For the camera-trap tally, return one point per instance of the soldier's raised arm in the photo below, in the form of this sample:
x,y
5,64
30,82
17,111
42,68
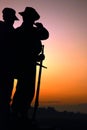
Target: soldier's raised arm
x,y
42,32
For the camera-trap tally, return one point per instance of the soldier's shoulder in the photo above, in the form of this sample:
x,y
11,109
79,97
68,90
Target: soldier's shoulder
x,y
18,29
1,22
2,26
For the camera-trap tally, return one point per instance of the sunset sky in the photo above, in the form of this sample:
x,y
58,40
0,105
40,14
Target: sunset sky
x,y
65,79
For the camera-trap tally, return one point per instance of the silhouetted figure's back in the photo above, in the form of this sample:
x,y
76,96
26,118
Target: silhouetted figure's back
x,y
28,49
6,61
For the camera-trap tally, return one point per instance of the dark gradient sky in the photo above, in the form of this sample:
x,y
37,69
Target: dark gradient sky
x,y
65,80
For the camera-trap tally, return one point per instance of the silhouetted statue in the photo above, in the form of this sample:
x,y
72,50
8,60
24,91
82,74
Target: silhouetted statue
x,y
6,59
28,49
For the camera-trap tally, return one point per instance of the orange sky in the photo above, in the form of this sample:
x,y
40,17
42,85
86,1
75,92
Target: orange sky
x,y
65,79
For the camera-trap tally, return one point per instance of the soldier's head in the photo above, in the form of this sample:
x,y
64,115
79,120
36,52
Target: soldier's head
x,y
9,15
29,14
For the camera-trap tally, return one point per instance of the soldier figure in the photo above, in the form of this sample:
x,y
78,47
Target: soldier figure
x,y
28,49
6,63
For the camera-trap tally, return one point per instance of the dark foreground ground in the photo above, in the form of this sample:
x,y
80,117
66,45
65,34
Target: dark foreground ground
x,y
60,124
49,119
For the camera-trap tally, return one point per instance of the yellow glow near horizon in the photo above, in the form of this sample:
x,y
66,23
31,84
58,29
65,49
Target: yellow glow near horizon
x,y
14,89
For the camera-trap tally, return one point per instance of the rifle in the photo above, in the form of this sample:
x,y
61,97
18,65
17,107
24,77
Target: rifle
x,y
38,86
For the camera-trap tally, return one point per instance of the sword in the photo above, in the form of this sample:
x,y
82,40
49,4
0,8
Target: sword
x,y
38,87
41,66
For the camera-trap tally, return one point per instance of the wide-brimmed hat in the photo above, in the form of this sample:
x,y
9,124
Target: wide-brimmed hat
x,y
10,13
31,12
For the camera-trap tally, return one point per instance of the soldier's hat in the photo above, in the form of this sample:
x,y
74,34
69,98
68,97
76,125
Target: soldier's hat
x,y
10,13
31,12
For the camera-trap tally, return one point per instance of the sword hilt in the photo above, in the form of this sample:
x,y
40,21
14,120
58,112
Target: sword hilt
x,y
42,49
